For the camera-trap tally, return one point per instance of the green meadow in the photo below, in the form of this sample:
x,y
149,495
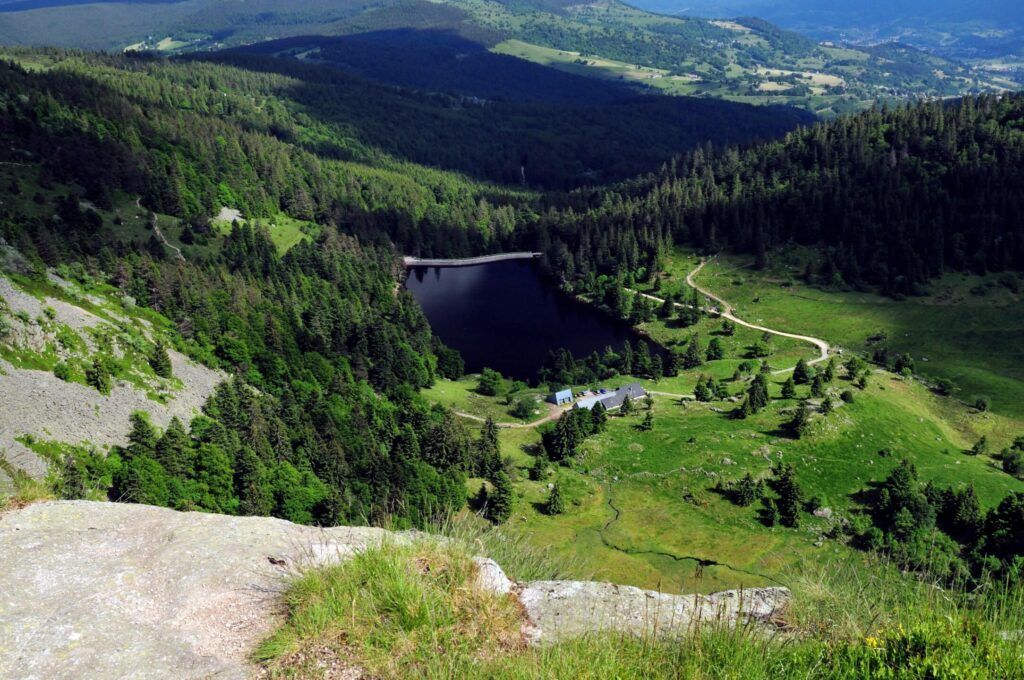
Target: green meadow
x,y
966,329
646,507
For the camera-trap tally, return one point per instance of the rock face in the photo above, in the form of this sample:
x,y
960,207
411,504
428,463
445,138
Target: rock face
x,y
564,609
107,590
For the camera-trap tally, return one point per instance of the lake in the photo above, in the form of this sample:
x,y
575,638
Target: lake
x,y
506,316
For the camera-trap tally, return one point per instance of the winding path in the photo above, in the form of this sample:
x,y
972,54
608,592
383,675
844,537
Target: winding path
x,y
555,414
727,311
160,234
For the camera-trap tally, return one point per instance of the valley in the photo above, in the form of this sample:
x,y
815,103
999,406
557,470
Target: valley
x,y
647,508
642,309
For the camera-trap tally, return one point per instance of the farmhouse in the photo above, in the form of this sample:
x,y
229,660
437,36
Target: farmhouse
x,y
561,397
613,399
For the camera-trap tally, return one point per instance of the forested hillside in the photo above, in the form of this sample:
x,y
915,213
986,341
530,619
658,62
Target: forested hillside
x,y
890,198
321,421
327,356
748,59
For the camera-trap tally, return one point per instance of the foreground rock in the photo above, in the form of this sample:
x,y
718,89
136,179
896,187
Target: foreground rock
x,y
564,609
106,590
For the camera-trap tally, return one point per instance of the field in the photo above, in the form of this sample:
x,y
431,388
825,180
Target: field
x,y
979,352
285,231
643,507
461,395
599,67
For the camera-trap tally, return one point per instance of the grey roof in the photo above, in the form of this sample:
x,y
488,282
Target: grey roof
x,y
613,399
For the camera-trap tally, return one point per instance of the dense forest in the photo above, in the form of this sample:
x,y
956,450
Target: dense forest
x,y
321,421
890,198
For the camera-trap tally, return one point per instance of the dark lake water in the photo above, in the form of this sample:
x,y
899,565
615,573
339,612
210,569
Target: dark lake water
x,y
505,316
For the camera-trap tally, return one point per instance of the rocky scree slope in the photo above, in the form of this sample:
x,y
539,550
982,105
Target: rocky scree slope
x,y
40,330
110,590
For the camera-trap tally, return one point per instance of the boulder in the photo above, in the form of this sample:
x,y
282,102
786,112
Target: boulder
x,y
564,609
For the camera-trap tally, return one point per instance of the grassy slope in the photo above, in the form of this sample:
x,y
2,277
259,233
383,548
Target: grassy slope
x,y
642,509
970,338
413,611
126,222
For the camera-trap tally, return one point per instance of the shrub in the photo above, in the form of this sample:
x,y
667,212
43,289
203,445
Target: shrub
x,y
98,375
62,371
490,382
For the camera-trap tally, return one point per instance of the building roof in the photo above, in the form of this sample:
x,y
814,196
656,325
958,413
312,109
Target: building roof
x,y
563,394
613,399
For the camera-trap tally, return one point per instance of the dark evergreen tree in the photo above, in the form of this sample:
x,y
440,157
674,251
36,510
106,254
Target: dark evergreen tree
x,y
692,358
500,502
160,361
802,374
715,350
789,388
555,504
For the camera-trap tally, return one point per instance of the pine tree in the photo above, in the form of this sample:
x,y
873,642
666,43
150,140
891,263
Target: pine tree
x,y
798,425
771,512
790,495
141,437
599,417
757,393
72,482
160,361
487,450
539,469
97,375
666,309
789,388
701,391
657,367
555,504
499,505
252,485
692,357
671,369
481,500
817,386
742,411
802,374
173,449
746,491
829,374
642,359
715,350
648,423
627,406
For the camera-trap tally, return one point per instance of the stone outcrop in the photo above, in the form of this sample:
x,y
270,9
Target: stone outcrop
x,y
106,590
564,609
